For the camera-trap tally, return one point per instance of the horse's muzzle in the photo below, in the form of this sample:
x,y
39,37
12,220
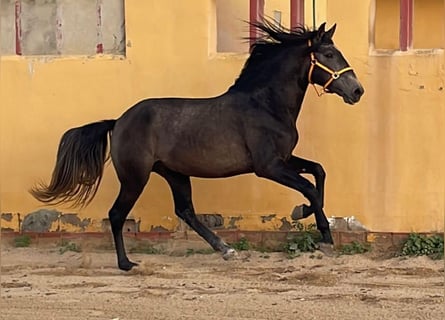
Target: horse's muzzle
x,y
354,95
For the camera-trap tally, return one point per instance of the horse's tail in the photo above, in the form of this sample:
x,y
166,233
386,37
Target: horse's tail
x,y
79,166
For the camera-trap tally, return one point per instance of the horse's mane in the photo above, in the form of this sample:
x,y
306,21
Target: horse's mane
x,y
272,32
272,37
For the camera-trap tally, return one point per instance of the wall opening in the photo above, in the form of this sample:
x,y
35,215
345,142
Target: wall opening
x,y
62,27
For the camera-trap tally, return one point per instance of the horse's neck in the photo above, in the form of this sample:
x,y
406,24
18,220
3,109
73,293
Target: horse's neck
x,y
284,101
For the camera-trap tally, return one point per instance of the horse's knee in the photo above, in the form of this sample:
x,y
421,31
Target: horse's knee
x,y
319,171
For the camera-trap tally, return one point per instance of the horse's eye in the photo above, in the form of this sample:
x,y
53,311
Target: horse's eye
x,y
329,55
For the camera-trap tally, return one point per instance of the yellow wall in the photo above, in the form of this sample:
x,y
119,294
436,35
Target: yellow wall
x,y
398,130
384,157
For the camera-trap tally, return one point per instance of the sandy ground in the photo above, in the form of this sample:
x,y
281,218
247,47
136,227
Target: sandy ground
x,y
41,283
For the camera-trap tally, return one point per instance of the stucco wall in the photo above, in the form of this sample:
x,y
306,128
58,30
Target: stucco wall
x,y
384,157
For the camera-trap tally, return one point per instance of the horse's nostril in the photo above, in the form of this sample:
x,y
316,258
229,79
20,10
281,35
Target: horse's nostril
x,y
359,91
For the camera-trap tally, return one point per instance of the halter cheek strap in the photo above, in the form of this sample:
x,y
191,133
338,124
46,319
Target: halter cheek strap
x,y
334,74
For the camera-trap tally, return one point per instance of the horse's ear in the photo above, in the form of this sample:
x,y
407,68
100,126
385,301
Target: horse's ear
x,y
321,31
328,34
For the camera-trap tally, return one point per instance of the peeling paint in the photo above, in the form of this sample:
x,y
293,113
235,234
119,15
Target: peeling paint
x,y
158,229
268,218
72,219
233,222
7,216
346,224
40,221
285,225
10,221
211,220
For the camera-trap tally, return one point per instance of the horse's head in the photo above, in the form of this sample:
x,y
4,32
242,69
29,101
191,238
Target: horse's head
x,y
330,69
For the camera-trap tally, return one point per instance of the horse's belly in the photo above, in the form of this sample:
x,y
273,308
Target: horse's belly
x,y
209,163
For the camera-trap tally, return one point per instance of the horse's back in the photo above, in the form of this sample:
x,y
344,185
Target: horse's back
x,y
196,137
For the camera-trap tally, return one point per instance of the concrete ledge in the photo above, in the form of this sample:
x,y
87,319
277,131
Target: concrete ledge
x,y
272,240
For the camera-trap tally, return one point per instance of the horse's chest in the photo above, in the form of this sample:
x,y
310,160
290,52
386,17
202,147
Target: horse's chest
x,y
283,140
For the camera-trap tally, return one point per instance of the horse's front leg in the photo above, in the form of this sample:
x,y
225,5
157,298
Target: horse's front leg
x,y
304,166
284,173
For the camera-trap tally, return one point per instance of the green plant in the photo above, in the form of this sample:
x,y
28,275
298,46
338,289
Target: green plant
x,y
419,245
22,241
66,245
355,247
241,245
304,241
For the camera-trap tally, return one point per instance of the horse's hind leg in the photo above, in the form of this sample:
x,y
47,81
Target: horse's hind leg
x,y
182,196
129,192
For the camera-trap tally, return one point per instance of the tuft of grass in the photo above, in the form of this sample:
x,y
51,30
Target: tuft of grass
x,y
66,245
241,245
22,241
355,247
422,245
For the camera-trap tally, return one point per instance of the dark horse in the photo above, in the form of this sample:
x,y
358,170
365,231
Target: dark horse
x,y
250,128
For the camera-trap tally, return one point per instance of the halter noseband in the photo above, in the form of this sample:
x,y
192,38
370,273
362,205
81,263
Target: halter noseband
x,y
334,74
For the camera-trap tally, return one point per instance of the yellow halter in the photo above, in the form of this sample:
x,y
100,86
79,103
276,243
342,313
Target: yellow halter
x,y
334,74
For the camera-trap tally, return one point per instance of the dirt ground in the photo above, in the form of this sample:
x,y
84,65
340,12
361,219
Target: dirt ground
x,y
41,283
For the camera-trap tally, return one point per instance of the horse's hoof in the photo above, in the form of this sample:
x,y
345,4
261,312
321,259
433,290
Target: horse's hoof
x,y
297,213
326,248
229,254
127,265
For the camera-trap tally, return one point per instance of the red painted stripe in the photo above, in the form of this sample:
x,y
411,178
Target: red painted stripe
x,y
99,45
99,48
256,13
18,27
406,24
296,13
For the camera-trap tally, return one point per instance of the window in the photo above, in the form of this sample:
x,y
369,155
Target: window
x,y
231,26
62,27
231,17
409,24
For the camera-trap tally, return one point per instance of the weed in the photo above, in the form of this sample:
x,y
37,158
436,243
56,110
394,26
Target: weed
x,y
305,241
66,245
241,245
22,241
419,245
355,247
